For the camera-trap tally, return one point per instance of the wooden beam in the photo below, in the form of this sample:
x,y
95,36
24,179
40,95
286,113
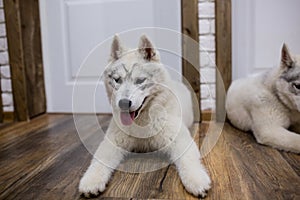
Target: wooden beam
x,y
16,58
190,29
25,58
223,55
33,61
1,104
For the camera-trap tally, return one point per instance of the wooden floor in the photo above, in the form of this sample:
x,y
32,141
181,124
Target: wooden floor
x,y
44,159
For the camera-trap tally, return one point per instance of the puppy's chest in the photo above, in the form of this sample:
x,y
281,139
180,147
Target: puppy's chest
x,y
150,144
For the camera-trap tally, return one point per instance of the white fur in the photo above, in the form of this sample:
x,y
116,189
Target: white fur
x,y
265,105
162,124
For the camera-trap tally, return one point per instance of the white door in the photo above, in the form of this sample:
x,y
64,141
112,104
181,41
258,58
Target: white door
x,y
259,28
71,29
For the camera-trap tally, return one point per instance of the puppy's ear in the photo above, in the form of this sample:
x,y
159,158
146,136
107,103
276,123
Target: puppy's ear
x,y
116,49
147,49
286,59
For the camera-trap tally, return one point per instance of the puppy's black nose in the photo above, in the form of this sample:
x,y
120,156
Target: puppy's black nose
x,y
125,104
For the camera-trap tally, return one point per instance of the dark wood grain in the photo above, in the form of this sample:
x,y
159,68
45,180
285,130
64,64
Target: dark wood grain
x,y
190,51
241,167
293,160
16,58
25,56
45,159
1,105
8,117
223,55
52,142
33,61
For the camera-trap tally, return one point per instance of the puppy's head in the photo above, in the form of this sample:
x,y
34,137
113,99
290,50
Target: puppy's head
x,y
288,84
131,78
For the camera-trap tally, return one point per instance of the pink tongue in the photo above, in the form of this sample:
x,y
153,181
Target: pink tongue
x,y
127,118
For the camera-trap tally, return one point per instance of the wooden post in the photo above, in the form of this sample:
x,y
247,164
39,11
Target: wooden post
x,y
223,55
190,28
16,58
33,60
25,57
1,105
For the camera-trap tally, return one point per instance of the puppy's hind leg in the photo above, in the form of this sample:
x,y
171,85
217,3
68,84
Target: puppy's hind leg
x,y
106,159
186,157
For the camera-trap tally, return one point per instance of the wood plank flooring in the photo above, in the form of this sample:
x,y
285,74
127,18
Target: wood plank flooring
x,y
45,159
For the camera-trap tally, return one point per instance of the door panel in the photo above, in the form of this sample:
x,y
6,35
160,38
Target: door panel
x,y
72,28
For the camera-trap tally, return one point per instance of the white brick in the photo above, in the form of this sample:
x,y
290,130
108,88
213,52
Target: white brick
x,y
3,44
201,1
207,10
207,59
6,85
213,90
2,18
207,53
212,26
204,91
2,30
207,43
208,91
5,72
8,108
207,104
212,58
207,75
7,99
3,58
204,26
204,59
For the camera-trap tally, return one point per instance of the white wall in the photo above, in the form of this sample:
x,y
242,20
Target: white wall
x,y
260,27
4,65
207,57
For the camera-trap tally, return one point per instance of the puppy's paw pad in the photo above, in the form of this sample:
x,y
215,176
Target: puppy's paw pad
x,y
91,187
90,192
203,194
198,185
90,195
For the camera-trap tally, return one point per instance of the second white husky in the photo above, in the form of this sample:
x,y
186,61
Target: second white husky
x,y
269,104
150,113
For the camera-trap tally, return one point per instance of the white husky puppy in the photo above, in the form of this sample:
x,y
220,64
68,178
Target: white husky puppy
x,y
150,112
269,104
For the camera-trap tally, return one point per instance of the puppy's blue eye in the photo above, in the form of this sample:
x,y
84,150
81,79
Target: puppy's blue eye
x,y
118,80
140,80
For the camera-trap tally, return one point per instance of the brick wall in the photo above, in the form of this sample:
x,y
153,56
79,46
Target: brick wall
x,y
207,53
4,66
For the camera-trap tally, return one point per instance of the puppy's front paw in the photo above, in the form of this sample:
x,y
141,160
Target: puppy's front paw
x,y
198,184
91,186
